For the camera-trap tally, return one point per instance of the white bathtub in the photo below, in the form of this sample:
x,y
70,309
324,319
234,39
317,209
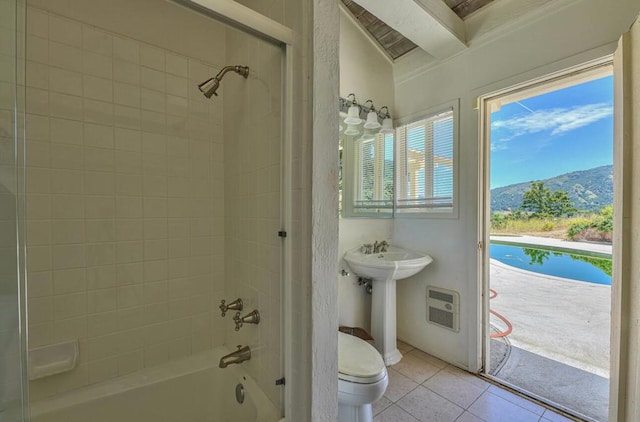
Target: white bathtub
x,y
193,389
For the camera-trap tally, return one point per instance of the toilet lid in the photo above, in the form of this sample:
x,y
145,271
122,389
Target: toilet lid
x,y
358,361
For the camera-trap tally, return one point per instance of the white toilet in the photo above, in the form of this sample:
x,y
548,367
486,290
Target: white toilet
x,y
362,378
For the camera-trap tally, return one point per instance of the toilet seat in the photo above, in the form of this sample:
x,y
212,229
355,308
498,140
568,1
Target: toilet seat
x,y
358,361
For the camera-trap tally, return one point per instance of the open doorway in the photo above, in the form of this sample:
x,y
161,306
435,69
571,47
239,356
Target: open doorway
x,y
548,221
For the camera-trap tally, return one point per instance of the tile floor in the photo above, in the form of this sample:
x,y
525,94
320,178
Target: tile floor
x,y
423,388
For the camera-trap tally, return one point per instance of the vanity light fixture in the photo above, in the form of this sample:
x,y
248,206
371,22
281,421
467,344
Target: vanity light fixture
x,y
353,115
372,116
352,130
387,123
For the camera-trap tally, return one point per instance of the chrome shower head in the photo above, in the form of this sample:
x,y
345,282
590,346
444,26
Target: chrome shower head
x,y
211,85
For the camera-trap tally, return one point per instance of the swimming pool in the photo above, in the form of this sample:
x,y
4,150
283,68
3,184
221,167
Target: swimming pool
x,y
560,264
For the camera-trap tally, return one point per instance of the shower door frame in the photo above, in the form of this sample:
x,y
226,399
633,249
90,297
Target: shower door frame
x,y
256,24
18,95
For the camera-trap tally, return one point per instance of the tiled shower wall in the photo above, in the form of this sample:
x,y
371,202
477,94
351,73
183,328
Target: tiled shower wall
x,y
125,201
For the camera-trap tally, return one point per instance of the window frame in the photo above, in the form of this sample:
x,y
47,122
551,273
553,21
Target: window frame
x,y
431,212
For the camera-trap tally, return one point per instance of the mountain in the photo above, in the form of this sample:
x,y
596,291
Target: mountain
x,y
588,190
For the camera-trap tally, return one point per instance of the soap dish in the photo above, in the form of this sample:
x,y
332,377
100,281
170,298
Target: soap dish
x,y
53,359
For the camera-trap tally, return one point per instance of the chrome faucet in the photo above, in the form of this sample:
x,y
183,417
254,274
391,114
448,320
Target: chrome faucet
x,y
367,248
251,318
380,247
239,356
236,305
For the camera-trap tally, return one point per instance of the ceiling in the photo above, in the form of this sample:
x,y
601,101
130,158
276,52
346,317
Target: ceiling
x,y
393,42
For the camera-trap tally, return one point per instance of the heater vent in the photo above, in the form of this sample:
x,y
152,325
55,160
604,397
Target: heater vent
x,y
443,308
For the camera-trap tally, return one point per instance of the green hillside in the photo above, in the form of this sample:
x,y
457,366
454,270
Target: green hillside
x,y
589,190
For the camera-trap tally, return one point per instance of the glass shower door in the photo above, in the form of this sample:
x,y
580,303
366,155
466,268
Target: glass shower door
x,y
13,385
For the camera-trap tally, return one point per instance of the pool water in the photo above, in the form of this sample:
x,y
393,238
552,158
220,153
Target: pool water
x,y
559,264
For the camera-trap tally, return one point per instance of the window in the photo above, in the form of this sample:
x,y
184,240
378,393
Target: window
x,y
374,178
425,164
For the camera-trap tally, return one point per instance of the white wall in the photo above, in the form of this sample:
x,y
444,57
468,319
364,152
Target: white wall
x,y
365,71
568,34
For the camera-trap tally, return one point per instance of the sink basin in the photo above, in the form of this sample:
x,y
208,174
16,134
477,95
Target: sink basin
x,y
385,268
396,263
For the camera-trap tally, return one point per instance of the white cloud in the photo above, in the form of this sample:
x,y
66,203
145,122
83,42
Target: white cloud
x,y
556,120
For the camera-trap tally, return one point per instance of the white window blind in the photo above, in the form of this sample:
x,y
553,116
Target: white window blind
x,y
373,187
425,164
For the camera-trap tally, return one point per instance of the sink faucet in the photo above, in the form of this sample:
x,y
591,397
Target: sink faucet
x,y
367,248
380,247
239,356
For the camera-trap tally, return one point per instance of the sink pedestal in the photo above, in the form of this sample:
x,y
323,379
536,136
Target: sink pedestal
x,y
383,320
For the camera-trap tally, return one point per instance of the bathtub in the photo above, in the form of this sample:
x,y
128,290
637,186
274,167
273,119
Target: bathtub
x,y
193,389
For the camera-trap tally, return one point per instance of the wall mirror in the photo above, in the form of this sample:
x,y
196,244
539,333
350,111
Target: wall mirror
x,y
367,159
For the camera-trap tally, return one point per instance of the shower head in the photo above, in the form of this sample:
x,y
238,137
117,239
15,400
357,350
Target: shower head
x,y
211,85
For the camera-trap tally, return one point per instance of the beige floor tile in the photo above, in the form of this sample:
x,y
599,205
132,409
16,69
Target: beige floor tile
x,y
431,359
454,388
493,408
517,400
425,405
469,377
403,347
399,385
394,414
417,369
468,417
551,416
379,405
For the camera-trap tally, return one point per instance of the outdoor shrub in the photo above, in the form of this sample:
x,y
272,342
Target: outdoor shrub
x,y
578,227
547,226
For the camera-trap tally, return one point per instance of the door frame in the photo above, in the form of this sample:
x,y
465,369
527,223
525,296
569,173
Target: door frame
x,y
572,75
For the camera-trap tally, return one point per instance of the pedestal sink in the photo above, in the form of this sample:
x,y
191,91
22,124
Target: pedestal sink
x,y
385,268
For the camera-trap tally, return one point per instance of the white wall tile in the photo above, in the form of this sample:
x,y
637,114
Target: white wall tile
x,y
38,50
98,88
152,57
97,64
69,305
112,155
100,112
126,49
176,65
99,136
97,41
66,131
65,81
69,281
65,31
101,277
37,22
126,72
65,56
65,106
126,94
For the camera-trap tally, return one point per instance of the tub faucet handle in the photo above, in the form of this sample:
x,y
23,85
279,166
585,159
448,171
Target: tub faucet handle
x,y
251,318
236,305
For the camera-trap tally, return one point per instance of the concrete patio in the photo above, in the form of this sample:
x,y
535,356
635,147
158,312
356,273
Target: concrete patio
x,y
559,347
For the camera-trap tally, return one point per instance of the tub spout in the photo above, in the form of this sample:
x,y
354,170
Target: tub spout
x,y
240,355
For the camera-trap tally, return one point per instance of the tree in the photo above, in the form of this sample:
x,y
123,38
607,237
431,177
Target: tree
x,y
543,203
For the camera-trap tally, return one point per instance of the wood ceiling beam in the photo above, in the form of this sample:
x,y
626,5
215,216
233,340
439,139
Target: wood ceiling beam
x,y
430,24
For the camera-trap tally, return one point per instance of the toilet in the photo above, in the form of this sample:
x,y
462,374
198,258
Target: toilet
x,y
362,378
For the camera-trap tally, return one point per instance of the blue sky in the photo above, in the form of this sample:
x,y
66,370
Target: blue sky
x,y
558,132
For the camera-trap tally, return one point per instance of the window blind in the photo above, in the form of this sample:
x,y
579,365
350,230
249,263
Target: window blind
x,y
425,164
373,190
